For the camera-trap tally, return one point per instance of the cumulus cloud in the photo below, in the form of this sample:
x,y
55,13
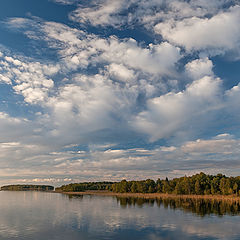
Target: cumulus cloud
x,y
117,13
91,105
28,78
123,61
199,68
84,100
216,34
173,111
82,49
121,73
103,13
157,59
211,24
79,49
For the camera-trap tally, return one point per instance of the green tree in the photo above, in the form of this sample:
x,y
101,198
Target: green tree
x,y
134,187
235,188
197,188
186,188
178,189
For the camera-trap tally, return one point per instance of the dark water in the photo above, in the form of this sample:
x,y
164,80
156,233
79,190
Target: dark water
x,y
40,216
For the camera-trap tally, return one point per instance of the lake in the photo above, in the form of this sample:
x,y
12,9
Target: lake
x,y
41,215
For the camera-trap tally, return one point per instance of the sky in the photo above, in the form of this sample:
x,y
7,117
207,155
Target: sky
x,y
118,89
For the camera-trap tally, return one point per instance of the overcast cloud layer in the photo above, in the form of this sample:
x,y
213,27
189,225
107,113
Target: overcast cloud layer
x,y
120,89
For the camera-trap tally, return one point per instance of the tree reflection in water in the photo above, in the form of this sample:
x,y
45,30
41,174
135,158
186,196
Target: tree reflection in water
x,y
200,207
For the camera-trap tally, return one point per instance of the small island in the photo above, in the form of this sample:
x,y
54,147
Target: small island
x,y
27,188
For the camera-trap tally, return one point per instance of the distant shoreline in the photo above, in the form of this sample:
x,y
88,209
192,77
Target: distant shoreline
x,y
27,187
155,195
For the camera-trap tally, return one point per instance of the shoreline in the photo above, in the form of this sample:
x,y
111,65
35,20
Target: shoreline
x,y
156,195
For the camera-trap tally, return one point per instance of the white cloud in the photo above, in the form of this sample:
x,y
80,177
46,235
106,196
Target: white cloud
x,y
118,13
199,68
120,72
157,59
81,102
224,136
89,104
169,113
28,78
101,13
218,146
216,34
168,149
66,2
80,50
5,79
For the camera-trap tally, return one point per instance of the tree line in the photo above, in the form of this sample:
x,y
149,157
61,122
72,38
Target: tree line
x,y
81,187
198,184
27,188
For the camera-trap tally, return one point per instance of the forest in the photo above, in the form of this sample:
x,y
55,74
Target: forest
x,y
198,184
81,187
27,188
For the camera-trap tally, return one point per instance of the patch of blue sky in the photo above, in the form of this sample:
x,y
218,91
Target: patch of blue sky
x,y
228,70
16,40
45,9
14,105
138,33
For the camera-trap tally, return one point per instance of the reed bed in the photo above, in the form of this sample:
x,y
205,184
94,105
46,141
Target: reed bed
x,y
231,198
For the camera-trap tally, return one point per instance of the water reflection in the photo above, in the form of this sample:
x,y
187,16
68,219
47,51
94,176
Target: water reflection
x,y
30,215
200,207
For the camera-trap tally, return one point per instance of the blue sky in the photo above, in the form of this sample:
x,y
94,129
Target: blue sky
x,y
106,90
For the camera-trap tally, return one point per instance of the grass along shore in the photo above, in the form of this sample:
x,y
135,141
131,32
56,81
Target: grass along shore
x,y
156,195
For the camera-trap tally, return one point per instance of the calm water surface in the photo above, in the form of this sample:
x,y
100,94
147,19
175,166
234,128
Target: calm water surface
x,y
38,215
